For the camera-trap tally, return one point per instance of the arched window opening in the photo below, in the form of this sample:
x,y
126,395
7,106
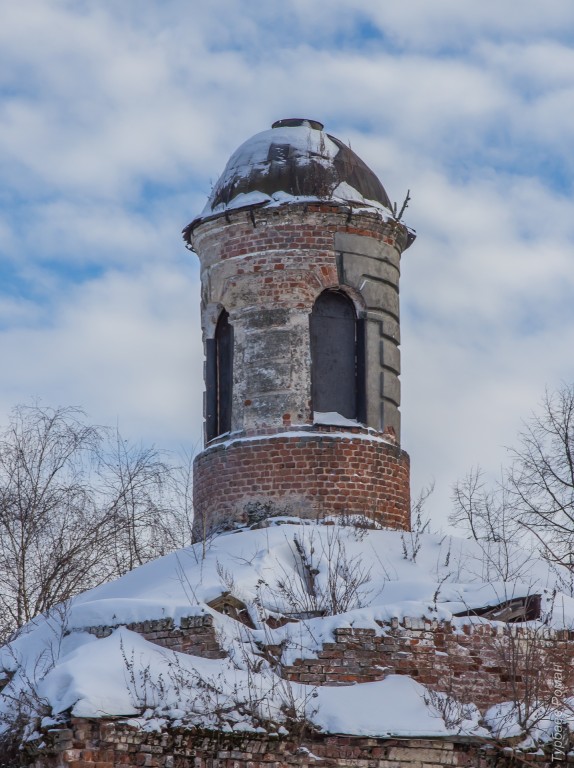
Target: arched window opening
x,y
337,357
219,378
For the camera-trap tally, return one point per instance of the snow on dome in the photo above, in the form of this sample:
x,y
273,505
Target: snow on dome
x,y
294,160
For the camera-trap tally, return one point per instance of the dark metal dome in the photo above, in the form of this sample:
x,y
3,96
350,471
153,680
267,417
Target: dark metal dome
x,y
294,159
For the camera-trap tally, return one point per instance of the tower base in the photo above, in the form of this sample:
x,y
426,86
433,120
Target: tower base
x,y
306,474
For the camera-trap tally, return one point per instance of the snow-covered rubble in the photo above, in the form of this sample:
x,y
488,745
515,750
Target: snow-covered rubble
x,y
57,667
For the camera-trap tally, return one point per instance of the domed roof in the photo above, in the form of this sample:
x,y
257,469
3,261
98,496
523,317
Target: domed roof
x,y
294,159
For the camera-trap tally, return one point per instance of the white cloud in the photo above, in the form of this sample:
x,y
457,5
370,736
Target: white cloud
x,y
458,26
115,118
126,347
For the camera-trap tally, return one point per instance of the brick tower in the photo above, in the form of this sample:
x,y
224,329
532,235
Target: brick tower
x,y
300,259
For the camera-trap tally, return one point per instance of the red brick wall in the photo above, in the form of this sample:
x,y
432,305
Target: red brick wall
x,y
311,475
97,744
284,238
194,635
482,663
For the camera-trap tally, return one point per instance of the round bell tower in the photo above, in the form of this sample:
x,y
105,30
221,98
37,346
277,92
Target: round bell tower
x,y
300,263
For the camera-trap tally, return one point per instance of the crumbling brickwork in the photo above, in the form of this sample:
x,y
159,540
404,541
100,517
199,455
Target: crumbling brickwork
x,y
479,663
194,635
97,744
266,268
483,663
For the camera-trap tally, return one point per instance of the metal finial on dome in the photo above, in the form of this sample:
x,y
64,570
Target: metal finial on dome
x,y
295,122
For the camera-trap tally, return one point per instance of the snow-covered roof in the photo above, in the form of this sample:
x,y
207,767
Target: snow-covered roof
x,y
295,161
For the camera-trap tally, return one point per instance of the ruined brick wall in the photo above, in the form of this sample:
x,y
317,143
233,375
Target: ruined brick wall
x,y
97,744
481,663
478,663
308,475
194,635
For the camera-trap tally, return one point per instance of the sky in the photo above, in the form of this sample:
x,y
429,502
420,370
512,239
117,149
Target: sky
x,y
117,118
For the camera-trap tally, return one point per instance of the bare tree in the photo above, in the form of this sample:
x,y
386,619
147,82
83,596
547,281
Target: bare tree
x,y
135,482
542,476
178,526
535,495
52,536
488,513
78,506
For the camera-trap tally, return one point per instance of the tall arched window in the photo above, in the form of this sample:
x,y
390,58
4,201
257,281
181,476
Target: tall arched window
x,y
219,378
337,357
